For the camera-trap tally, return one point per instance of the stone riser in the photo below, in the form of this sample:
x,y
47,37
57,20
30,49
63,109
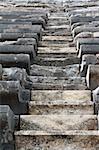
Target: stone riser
x,y
58,142
57,61
60,109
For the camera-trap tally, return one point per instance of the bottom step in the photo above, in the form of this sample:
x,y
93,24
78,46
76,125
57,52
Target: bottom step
x,y
69,140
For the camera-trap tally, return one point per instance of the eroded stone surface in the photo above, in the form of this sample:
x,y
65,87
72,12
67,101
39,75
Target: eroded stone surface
x,y
69,140
57,61
58,123
61,102
52,50
70,97
70,70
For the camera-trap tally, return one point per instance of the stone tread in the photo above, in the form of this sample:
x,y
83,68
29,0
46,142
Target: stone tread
x,y
55,50
58,122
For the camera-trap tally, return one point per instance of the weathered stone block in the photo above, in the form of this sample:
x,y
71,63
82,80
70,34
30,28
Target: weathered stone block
x,y
85,28
83,35
79,18
90,41
12,48
16,36
7,125
16,74
60,123
87,60
15,60
12,94
96,101
35,29
88,49
67,102
92,78
70,140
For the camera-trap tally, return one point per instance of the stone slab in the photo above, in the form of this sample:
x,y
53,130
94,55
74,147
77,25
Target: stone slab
x,y
69,96
15,60
56,50
18,49
91,41
60,123
70,70
60,109
14,95
70,60
92,77
88,49
57,80
67,140
61,102
51,86
57,38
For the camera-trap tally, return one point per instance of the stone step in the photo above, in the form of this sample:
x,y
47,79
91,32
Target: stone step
x,y
57,18
61,32
57,22
56,55
70,70
58,14
51,86
67,140
57,50
61,102
58,83
56,43
57,38
60,123
57,61
57,27
57,80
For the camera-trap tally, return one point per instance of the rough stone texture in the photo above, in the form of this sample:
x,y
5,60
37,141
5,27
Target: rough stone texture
x,y
60,112
57,61
69,140
75,96
70,70
58,80
57,50
60,123
87,60
61,102
53,39
92,77
60,109
51,86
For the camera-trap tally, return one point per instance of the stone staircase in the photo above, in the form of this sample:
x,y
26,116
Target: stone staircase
x,y
61,112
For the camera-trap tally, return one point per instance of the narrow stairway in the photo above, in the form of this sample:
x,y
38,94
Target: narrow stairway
x,y
61,113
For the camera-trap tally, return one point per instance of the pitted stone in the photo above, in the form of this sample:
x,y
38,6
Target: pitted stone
x,y
33,20
96,100
12,94
0,71
83,35
85,28
35,29
16,36
92,77
87,60
79,18
12,48
16,74
88,49
7,126
91,41
15,60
